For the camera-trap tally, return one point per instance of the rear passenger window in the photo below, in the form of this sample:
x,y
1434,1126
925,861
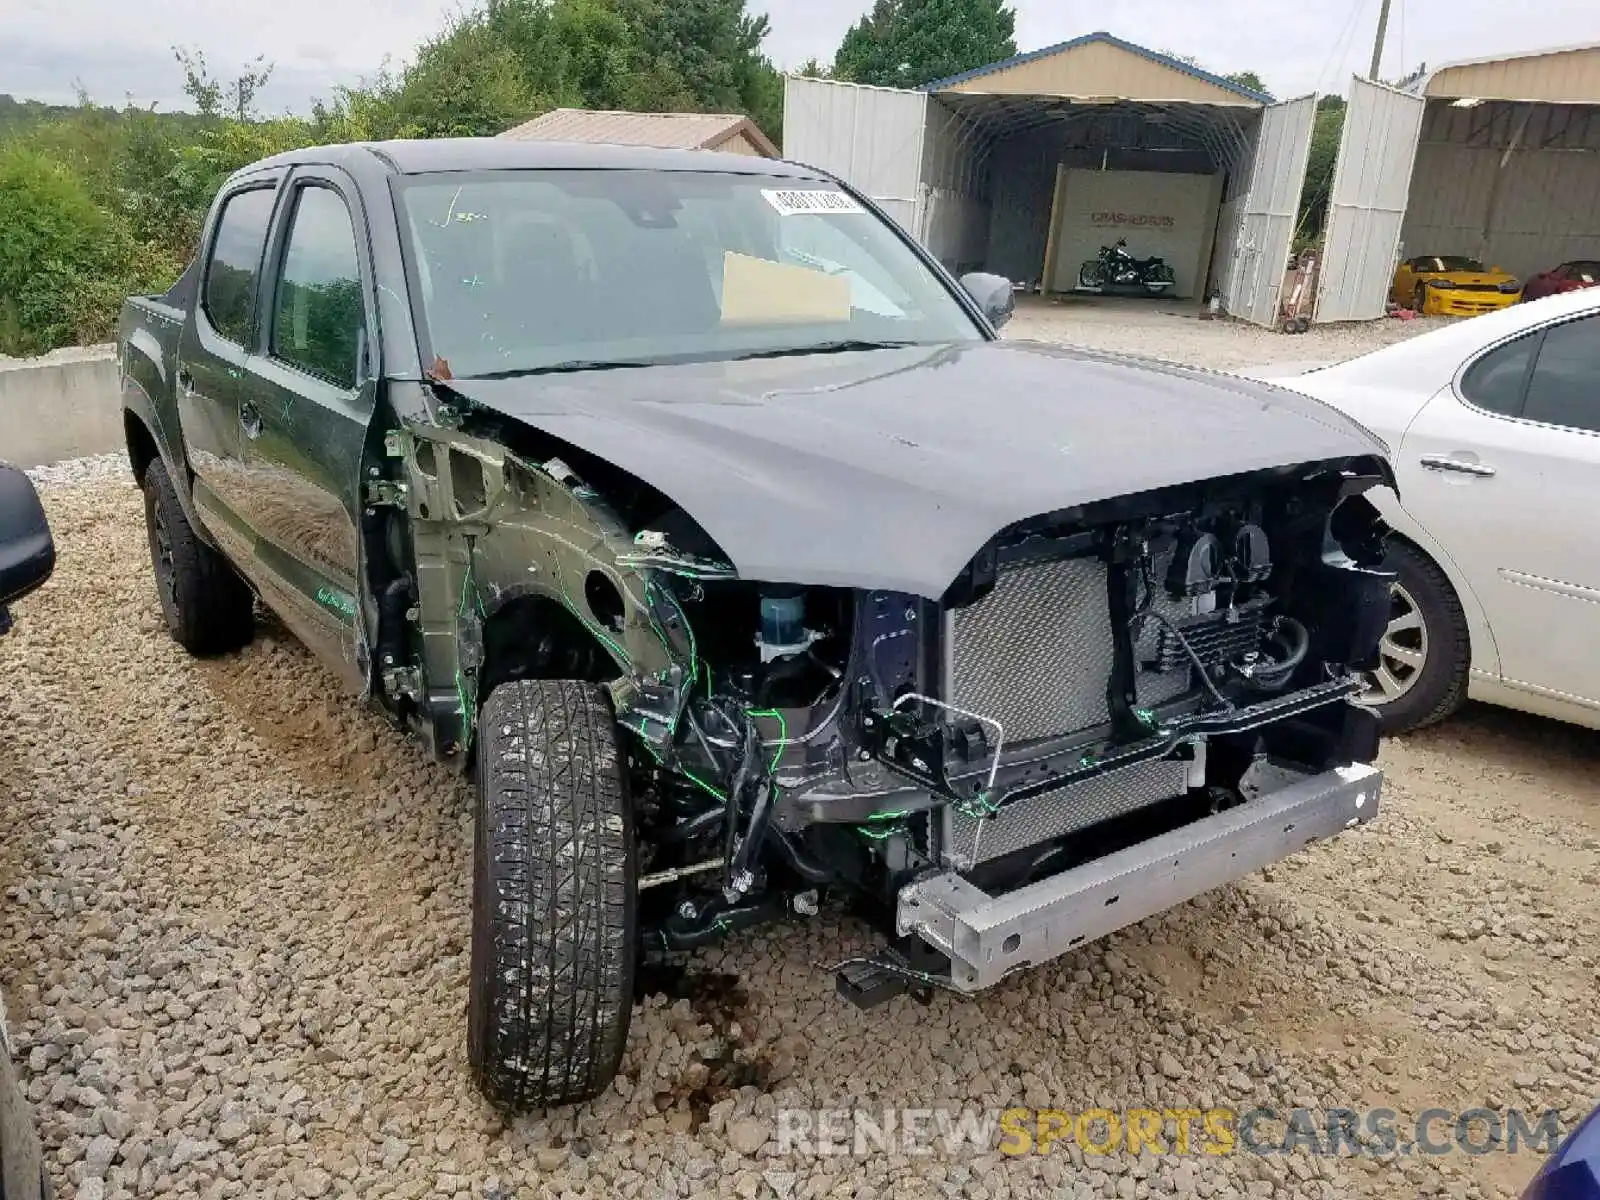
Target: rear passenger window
x,y
318,315
1496,380
1565,388
235,266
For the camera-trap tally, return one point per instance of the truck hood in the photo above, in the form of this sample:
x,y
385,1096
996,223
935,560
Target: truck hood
x,y
891,468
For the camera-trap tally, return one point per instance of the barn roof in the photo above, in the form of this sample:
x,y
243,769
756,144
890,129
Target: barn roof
x,y
674,130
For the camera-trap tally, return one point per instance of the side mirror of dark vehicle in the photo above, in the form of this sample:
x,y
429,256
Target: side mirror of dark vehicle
x,y
27,552
993,294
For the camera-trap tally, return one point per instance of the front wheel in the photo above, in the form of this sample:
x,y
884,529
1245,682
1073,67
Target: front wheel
x,y
1419,300
1425,653
554,897
1092,276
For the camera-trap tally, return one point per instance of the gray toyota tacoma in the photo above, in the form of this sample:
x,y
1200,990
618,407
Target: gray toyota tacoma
x,y
700,515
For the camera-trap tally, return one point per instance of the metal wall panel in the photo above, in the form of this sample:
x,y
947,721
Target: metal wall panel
x,y
1371,179
1268,208
868,136
1515,185
955,201
1093,69
1572,76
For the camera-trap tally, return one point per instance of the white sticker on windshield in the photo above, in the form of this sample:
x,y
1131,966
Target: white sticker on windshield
x,y
796,203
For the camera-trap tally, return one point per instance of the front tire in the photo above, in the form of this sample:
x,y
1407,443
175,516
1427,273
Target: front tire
x,y
206,604
1425,654
554,897
1419,300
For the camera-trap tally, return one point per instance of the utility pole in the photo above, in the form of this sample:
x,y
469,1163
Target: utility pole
x,y
1377,45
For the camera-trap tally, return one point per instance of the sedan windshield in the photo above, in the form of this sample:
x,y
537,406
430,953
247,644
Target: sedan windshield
x,y
518,272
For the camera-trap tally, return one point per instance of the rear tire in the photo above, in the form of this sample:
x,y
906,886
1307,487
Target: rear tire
x,y
554,897
1426,653
206,604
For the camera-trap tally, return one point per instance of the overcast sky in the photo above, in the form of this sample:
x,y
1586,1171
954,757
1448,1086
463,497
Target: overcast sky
x,y
121,48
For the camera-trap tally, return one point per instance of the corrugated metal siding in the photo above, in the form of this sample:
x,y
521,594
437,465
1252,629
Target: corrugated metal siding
x,y
955,218
1100,69
1254,278
1565,76
1370,183
870,137
1547,208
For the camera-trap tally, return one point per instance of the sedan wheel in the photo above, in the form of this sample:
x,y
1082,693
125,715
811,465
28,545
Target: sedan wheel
x,y
1425,652
1402,652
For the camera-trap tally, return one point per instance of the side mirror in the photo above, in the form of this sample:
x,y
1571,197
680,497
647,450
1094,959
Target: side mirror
x,y
27,552
993,294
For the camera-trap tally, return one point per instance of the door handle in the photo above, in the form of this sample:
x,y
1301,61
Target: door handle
x,y
250,420
1443,462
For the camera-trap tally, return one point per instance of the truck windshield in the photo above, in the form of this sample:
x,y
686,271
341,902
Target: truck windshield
x,y
525,271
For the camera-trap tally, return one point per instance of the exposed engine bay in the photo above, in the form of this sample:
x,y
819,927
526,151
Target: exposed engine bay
x,y
1093,678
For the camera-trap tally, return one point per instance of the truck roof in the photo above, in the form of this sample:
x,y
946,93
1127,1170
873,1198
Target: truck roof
x,y
425,156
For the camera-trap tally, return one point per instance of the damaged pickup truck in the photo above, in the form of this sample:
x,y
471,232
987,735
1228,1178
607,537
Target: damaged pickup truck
x,y
701,516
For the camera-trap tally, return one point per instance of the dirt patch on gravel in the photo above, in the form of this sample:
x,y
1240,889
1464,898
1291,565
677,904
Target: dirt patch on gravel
x,y
236,919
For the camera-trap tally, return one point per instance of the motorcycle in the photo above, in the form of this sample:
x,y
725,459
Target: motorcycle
x,y
1114,267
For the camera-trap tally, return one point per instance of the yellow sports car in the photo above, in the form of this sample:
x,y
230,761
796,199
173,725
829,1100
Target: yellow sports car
x,y
1450,286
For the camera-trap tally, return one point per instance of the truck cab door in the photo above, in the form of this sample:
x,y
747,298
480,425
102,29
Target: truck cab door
x,y
305,405
214,351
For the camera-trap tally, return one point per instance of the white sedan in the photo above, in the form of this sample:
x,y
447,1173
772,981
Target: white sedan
x,y
1493,425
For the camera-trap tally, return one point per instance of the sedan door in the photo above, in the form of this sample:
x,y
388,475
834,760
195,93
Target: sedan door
x,y
1503,468
308,401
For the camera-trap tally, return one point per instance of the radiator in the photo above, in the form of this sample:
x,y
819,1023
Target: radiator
x,y
1066,810
1035,653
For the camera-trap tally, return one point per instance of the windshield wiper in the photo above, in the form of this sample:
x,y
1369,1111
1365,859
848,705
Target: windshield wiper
x,y
843,346
562,368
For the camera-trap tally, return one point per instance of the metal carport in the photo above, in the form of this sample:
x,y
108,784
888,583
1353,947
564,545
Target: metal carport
x,y
1497,159
980,167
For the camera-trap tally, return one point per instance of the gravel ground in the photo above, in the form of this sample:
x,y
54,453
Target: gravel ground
x,y
236,921
1174,331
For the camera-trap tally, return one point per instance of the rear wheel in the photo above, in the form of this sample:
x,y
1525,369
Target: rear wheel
x,y
1425,654
554,897
206,604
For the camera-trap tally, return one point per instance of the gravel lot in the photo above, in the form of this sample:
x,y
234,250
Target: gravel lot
x,y
236,919
1174,331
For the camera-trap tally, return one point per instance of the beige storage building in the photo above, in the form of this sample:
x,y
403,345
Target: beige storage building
x,y
727,132
1027,167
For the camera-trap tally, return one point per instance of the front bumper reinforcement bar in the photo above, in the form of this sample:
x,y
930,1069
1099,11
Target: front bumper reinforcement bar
x,y
987,937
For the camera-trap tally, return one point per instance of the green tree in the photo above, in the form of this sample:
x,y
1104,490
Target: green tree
x,y
907,43
1326,131
466,82
1247,79
61,258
